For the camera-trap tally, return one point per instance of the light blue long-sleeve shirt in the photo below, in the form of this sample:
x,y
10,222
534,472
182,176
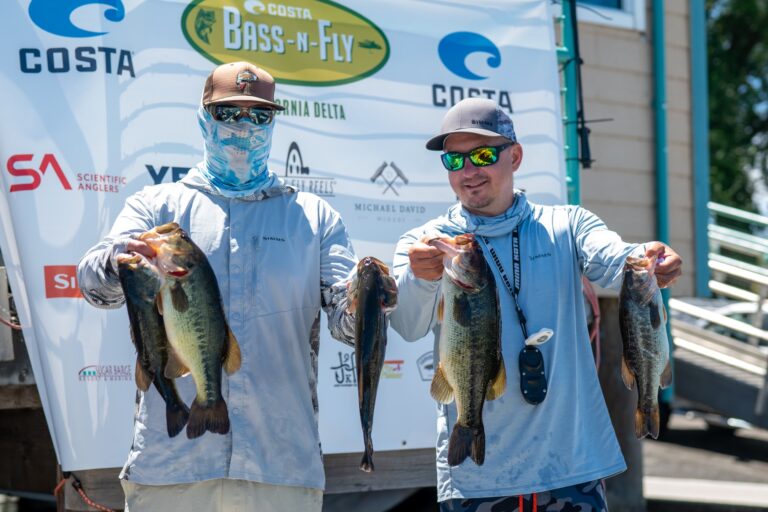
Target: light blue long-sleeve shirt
x,y
568,438
274,254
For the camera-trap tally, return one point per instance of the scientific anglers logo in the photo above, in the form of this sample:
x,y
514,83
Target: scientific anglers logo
x,y
106,373
456,51
23,166
61,282
297,175
426,365
390,175
57,17
303,42
344,373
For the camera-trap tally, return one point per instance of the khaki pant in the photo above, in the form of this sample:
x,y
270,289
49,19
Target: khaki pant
x,y
222,495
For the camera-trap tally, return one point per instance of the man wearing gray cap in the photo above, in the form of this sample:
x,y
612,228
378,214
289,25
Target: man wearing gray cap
x,y
548,439
279,256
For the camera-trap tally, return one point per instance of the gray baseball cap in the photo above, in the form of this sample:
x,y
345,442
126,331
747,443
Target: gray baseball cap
x,y
474,115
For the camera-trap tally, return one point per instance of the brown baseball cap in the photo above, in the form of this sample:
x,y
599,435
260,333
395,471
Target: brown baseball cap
x,y
240,81
474,115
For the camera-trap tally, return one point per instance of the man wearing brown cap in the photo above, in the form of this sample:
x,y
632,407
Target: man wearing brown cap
x,y
548,438
279,256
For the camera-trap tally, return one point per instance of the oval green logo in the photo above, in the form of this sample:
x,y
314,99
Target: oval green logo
x,y
303,42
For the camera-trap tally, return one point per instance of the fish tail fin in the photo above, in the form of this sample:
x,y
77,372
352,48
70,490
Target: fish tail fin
x,y
461,444
367,463
176,416
206,416
647,422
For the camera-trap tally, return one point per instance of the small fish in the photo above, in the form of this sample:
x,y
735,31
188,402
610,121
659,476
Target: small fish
x,y
643,322
141,281
471,368
200,339
372,294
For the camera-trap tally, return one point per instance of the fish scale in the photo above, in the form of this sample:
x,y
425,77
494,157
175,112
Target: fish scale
x,y
471,368
190,302
645,361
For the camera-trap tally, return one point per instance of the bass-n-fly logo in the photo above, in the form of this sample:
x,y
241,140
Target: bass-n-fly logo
x,y
304,42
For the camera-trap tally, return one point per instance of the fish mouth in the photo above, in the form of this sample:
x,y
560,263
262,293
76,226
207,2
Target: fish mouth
x,y
644,263
369,262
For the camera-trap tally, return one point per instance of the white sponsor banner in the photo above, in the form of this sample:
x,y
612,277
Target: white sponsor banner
x,y
102,100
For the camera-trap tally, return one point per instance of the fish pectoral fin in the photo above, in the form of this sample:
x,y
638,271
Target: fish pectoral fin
x,y
232,357
498,384
174,368
666,375
159,303
664,311
626,374
653,307
441,389
440,310
179,298
143,378
351,304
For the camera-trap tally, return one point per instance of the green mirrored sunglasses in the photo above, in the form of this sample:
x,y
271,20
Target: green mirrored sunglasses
x,y
480,157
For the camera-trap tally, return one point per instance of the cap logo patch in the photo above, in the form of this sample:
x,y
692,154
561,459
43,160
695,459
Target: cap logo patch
x,y
482,122
244,81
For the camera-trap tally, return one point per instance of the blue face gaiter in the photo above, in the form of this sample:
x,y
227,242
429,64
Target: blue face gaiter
x,y
236,154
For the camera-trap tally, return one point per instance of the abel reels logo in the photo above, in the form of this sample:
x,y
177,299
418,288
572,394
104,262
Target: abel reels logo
x,y
303,42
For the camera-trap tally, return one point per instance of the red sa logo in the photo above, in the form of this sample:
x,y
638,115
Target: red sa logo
x,y
48,161
61,281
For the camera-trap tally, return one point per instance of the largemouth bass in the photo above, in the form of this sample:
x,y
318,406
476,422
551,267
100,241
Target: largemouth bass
x,y
197,329
471,368
371,295
141,282
645,361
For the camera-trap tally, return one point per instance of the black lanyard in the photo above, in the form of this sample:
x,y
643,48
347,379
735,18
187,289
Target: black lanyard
x,y
514,291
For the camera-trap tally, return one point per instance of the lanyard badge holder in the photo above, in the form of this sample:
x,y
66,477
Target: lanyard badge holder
x,y
533,378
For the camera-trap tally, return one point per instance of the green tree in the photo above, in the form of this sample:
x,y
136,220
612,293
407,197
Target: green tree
x,y
738,97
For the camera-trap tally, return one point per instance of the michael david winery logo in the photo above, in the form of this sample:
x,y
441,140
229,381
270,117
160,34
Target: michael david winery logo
x,y
306,42
474,58
76,19
106,373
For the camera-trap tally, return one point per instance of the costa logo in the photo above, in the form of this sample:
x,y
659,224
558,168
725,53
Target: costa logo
x,y
18,166
469,56
61,282
58,17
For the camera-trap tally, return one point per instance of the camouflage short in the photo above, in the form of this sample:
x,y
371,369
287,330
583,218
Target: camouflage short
x,y
587,497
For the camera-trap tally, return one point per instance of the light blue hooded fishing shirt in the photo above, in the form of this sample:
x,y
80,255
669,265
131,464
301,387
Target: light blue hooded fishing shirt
x,y
568,438
275,252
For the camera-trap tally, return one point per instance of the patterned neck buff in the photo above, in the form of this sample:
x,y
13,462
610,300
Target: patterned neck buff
x,y
236,154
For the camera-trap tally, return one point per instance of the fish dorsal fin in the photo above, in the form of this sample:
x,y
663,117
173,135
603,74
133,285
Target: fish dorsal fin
x,y
143,378
653,307
440,310
626,374
232,356
499,383
179,298
441,389
666,375
174,368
